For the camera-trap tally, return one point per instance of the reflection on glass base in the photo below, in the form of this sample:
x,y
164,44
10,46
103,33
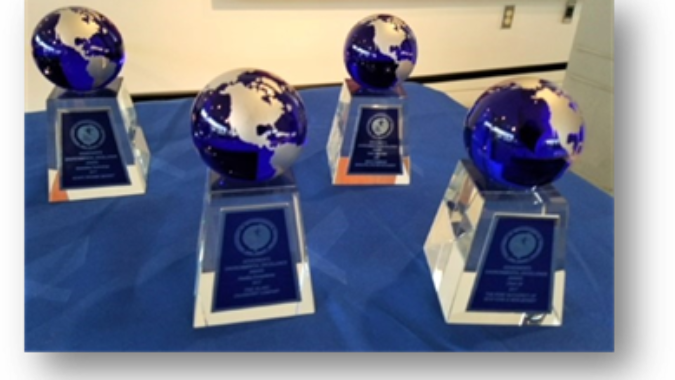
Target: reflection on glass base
x,y
96,149
497,256
253,263
367,143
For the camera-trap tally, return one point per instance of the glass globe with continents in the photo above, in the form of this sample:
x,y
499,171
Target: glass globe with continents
x,y
380,51
78,49
249,125
524,133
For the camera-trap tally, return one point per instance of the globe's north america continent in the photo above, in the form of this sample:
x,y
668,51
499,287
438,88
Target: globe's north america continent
x,y
78,49
380,51
249,124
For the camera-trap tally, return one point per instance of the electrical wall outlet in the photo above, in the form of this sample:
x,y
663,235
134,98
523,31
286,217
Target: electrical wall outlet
x,y
507,17
569,11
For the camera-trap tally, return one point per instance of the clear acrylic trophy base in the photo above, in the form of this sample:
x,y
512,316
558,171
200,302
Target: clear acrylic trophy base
x,y
253,263
95,147
367,143
497,256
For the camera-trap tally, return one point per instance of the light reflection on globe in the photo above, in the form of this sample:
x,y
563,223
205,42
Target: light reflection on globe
x,y
77,48
249,125
380,51
524,132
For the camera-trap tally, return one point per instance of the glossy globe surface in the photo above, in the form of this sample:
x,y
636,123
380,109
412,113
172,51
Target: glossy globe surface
x,y
380,51
524,132
78,49
249,124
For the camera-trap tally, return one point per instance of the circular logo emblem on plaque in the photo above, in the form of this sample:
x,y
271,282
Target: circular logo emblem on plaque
x,y
87,135
522,245
380,126
256,237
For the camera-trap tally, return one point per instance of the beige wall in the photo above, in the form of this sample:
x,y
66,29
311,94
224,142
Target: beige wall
x,y
590,81
466,92
178,45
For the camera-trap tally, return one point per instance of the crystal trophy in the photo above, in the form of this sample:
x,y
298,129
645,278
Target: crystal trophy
x,y
496,248
95,147
367,144
249,126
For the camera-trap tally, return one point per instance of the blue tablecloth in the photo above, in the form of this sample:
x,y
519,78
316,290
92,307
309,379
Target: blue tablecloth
x,y
118,274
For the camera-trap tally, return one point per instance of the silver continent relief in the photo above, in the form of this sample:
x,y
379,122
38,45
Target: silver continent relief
x,y
389,37
78,35
78,48
249,124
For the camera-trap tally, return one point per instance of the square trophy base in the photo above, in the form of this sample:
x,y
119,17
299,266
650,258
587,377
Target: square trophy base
x,y
367,143
253,263
498,256
95,147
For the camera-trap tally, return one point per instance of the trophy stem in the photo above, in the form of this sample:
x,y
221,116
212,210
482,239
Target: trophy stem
x,y
253,263
497,256
96,148
367,143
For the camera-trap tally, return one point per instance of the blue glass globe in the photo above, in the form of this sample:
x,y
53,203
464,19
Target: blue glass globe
x,y
524,133
249,125
78,49
380,51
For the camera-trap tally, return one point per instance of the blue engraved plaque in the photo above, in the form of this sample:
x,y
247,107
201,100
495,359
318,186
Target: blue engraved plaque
x,y
517,272
256,266
90,156
377,146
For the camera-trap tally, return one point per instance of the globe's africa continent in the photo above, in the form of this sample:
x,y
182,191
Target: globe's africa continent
x,y
390,34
